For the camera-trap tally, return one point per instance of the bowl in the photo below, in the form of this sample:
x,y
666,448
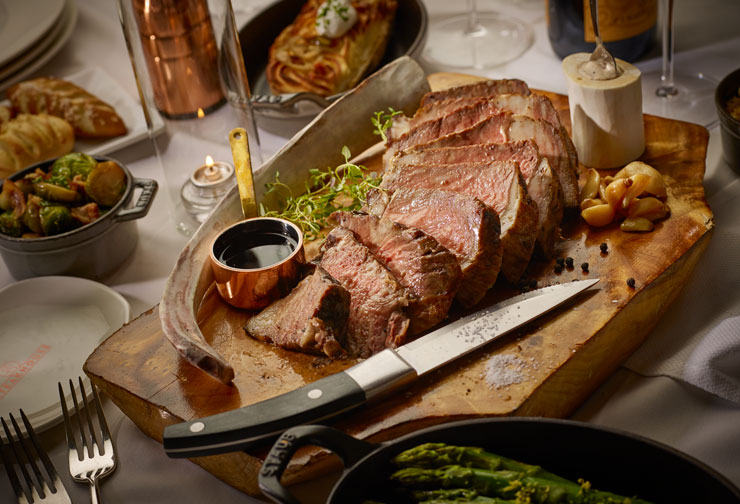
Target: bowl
x,y
257,261
407,38
609,459
730,127
91,251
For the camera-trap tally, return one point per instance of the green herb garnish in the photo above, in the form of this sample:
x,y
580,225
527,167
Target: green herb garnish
x,y
382,121
342,188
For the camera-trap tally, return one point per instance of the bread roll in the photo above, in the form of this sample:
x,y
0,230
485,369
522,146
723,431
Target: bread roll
x,y
89,115
303,60
28,139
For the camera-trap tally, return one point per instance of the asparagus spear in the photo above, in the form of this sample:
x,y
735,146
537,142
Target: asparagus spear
x,y
508,485
455,496
433,455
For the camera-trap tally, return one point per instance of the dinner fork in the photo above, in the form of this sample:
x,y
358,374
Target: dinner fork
x,y
46,487
88,462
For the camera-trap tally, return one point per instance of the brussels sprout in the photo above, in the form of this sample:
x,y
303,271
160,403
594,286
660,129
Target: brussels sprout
x,y
106,183
54,192
31,217
10,224
75,163
55,219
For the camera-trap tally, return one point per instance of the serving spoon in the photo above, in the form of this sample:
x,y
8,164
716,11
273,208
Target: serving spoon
x,y
601,56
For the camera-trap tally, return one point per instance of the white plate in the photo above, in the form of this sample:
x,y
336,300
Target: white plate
x,y
48,327
43,50
22,23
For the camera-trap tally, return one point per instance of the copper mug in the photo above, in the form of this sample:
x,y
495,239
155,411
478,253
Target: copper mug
x,y
257,261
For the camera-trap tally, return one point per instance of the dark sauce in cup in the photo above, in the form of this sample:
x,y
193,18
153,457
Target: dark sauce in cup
x,y
259,250
256,244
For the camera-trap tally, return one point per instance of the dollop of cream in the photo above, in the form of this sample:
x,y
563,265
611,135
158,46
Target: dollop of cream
x,y
334,18
598,70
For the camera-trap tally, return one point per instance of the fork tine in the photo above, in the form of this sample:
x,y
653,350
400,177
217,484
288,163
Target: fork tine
x,y
78,414
88,415
18,488
69,433
28,488
101,416
30,457
53,476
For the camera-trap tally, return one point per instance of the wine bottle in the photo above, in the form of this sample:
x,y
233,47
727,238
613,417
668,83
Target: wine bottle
x,y
627,27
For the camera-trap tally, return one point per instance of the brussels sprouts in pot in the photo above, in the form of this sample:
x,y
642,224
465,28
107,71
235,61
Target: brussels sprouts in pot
x,y
89,242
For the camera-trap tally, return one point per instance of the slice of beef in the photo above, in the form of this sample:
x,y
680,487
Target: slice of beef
x,y
505,127
428,131
482,88
377,301
311,319
498,184
533,105
542,183
428,271
460,223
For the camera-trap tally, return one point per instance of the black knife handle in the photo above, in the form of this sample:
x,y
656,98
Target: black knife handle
x,y
239,429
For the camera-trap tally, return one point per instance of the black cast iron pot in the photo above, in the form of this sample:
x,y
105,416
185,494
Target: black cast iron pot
x,y
93,250
610,460
729,126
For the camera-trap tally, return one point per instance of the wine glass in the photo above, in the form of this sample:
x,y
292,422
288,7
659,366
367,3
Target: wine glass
x,y
476,39
677,95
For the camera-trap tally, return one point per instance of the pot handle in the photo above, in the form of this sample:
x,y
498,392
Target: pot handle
x,y
349,449
142,205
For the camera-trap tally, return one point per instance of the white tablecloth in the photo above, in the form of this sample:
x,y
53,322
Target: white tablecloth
x,y
661,392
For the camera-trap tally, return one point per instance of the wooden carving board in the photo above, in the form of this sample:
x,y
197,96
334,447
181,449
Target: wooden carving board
x,y
559,359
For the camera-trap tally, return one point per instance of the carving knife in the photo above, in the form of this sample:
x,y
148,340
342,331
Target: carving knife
x,y
372,378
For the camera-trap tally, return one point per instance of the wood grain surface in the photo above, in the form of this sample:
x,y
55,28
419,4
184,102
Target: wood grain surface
x,y
558,360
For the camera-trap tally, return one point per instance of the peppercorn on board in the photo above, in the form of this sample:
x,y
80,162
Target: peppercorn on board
x,y
551,366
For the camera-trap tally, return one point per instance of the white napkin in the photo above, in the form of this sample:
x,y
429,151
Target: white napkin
x,y
698,341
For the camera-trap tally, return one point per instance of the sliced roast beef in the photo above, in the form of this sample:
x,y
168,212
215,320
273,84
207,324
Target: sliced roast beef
x,y
462,224
428,131
312,318
498,184
533,105
425,268
377,301
542,183
482,88
505,127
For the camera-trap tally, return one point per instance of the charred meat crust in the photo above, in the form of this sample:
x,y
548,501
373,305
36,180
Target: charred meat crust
x,y
377,318
461,223
428,271
311,319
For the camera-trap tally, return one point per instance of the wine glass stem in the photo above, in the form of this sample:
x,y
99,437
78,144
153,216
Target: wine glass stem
x,y
474,28
667,86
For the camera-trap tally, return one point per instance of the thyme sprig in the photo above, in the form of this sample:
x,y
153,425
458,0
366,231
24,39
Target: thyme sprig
x,y
342,188
382,121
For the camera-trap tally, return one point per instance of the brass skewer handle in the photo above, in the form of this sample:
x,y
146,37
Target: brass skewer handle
x,y
239,143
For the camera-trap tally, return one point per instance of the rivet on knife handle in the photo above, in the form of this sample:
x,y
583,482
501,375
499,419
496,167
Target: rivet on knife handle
x,y
243,164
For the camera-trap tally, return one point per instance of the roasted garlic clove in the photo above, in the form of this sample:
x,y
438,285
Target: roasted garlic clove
x,y
637,225
655,187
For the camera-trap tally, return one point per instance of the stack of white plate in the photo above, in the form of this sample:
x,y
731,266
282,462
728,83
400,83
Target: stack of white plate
x,y
30,34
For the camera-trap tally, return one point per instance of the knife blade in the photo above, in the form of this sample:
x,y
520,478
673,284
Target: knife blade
x,y
372,378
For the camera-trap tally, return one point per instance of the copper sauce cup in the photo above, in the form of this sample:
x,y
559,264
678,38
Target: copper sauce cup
x,y
271,271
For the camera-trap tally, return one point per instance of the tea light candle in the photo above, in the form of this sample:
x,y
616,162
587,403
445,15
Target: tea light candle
x,y
206,186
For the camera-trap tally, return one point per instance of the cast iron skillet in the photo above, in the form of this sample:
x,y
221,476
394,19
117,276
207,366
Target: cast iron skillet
x,y
611,460
408,36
